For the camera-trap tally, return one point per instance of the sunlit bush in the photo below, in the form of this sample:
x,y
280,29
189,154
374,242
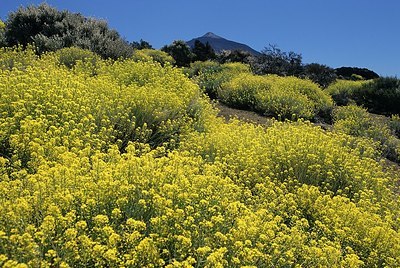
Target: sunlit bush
x,y
155,55
16,58
59,109
394,124
302,176
212,76
343,91
356,121
70,56
281,97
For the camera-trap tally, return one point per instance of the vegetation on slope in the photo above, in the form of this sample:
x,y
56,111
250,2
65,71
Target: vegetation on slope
x,y
125,164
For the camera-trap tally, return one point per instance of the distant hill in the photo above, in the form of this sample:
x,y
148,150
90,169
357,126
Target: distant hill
x,y
219,44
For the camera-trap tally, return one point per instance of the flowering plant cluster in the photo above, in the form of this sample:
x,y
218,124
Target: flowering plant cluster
x,y
281,97
126,165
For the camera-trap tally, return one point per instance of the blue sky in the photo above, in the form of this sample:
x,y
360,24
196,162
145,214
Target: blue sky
x,y
361,33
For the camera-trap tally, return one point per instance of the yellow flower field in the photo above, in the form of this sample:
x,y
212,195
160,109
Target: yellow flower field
x,y
125,164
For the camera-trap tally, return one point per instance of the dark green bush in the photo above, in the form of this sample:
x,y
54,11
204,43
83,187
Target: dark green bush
x,y
275,61
181,53
381,96
320,74
203,52
51,30
227,56
348,72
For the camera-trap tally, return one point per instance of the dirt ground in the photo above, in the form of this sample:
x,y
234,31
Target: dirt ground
x,y
247,116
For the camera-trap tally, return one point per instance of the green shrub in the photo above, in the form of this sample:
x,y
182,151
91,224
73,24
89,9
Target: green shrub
x,y
51,30
343,91
275,61
320,74
181,53
348,72
198,67
380,96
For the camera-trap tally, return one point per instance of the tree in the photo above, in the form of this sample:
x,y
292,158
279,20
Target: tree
x,y
275,61
381,96
181,53
51,29
203,52
347,72
235,56
320,74
141,45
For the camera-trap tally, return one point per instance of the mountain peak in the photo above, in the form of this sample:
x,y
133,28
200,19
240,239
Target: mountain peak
x,y
219,44
212,35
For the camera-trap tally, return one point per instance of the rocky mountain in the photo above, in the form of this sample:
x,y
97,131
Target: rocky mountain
x,y
219,44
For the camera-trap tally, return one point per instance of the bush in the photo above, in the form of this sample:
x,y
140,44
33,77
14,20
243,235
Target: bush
x,y
381,96
227,56
320,74
132,168
2,34
348,72
153,55
356,121
281,97
125,102
275,61
17,57
203,52
343,92
241,91
212,75
70,56
282,167
51,29
394,124
181,53
198,67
